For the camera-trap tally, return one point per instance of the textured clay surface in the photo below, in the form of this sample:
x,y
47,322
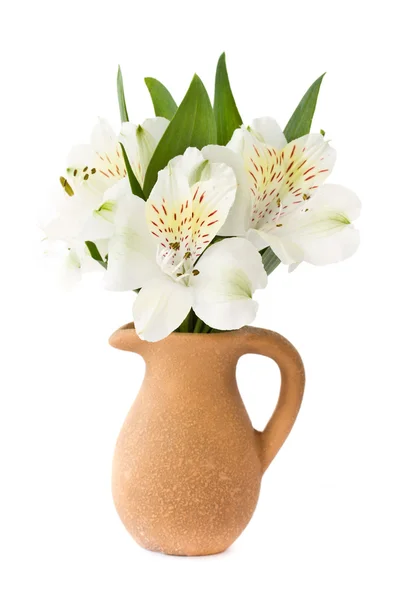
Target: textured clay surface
x,y
188,464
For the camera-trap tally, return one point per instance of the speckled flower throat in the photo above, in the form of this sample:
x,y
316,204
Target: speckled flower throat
x,y
184,228
280,180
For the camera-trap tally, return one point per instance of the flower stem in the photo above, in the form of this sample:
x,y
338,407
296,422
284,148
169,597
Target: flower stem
x,y
270,260
198,326
185,325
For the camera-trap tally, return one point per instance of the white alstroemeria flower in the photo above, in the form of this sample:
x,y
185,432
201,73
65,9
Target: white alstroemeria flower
x,y
93,171
280,202
159,248
93,168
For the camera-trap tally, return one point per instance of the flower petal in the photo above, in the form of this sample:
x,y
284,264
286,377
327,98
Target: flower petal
x,y
131,250
140,143
284,246
229,273
307,162
100,224
68,264
293,267
94,169
300,169
279,181
238,219
155,127
337,198
69,217
103,138
160,307
323,232
189,163
185,218
257,238
265,172
269,131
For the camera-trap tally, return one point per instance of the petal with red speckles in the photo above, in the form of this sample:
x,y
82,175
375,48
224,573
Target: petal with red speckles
x,y
185,217
307,161
93,169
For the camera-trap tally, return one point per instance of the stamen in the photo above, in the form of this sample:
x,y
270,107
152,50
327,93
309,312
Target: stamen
x,y
68,189
178,266
162,260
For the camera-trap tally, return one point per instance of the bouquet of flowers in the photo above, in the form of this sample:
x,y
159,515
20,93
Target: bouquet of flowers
x,y
192,210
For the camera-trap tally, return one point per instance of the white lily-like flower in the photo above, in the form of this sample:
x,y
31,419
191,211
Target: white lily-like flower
x,y
87,211
93,168
281,201
162,248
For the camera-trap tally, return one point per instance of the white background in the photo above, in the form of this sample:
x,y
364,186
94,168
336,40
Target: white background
x,y
327,524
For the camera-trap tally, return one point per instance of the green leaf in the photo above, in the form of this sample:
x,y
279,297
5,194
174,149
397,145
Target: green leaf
x,y
135,185
193,125
95,254
163,102
270,260
300,122
227,116
121,97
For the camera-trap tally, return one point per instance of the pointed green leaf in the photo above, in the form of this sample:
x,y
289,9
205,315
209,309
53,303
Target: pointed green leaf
x,y
121,97
135,185
95,254
193,125
300,122
227,116
270,260
163,102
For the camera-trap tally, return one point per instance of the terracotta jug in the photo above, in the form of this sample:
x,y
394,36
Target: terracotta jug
x,y
188,464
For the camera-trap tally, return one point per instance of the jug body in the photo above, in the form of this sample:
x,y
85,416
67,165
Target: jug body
x,y
188,464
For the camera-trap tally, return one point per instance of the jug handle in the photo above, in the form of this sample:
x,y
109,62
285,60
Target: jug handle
x,y
275,346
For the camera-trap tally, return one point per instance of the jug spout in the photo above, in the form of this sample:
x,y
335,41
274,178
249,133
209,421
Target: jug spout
x,y
126,338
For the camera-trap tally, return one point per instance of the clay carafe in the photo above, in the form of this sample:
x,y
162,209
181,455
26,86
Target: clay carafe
x,y
188,464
